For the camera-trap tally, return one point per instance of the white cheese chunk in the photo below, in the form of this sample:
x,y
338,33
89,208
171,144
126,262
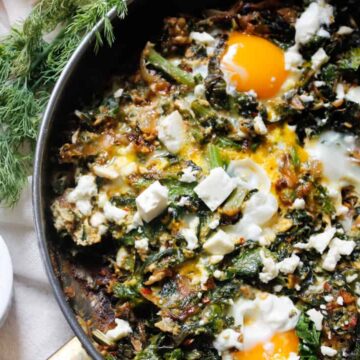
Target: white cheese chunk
x,y
203,38
351,278
228,339
97,219
136,222
328,298
306,98
340,91
85,189
188,175
309,23
142,244
259,125
289,265
213,224
219,244
199,91
298,204
353,94
340,300
118,93
293,59
121,330
328,351
102,199
215,188
323,33
319,242
337,249
152,201
319,59
270,270
113,213
171,132
84,206
316,317
81,196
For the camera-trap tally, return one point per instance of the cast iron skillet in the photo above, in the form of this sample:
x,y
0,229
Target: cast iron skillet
x,y
87,74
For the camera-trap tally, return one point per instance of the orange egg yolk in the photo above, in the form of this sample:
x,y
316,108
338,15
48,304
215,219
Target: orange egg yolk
x,y
279,347
253,63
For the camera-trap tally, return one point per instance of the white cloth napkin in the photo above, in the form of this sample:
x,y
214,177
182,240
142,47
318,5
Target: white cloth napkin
x,y
35,327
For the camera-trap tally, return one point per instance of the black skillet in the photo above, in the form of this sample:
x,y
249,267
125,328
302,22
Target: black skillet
x,y
86,75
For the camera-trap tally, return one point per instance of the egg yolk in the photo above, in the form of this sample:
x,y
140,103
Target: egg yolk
x,y
253,63
279,347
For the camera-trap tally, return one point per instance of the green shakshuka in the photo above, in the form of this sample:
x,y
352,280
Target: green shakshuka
x,y
223,172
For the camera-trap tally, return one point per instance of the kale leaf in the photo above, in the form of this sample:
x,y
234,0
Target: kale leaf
x,y
309,338
247,264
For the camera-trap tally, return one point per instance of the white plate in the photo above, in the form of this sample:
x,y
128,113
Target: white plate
x,y
6,281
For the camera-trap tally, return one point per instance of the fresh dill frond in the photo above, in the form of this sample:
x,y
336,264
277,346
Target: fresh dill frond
x,y
29,67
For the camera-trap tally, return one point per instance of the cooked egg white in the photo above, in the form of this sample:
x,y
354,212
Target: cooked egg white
x,y
266,326
334,150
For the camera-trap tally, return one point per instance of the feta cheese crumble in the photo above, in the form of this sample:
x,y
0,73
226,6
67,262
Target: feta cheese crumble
x,y
319,242
289,265
188,175
318,13
316,317
328,351
152,201
121,330
269,271
215,188
86,188
299,204
259,125
319,59
203,38
113,213
337,249
219,244
171,132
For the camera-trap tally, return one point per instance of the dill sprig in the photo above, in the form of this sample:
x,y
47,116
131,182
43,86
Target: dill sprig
x,y
29,68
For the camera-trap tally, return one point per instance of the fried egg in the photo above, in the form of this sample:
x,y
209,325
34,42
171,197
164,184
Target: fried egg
x,y
267,324
252,63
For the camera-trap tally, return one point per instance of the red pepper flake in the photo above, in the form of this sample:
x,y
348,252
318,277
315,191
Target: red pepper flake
x,y
146,291
352,322
188,342
348,298
327,287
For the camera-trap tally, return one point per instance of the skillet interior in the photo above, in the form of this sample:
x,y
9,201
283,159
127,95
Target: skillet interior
x,y
85,76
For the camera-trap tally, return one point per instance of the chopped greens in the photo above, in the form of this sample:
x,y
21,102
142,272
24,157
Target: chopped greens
x,y
222,219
